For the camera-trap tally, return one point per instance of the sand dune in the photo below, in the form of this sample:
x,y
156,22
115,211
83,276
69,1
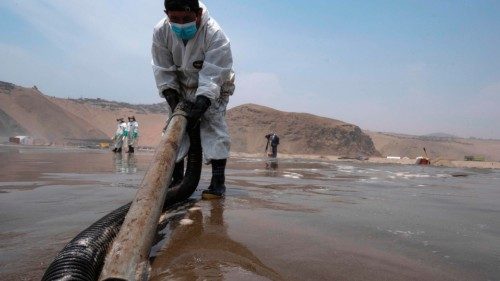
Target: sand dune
x,y
41,118
55,120
437,148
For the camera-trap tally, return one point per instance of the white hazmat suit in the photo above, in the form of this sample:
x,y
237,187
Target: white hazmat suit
x,y
202,66
120,134
133,133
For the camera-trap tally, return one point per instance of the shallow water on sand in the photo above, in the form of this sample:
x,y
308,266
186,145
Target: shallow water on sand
x,y
299,220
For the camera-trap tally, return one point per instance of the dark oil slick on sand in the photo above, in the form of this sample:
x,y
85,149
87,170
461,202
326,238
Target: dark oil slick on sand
x,y
304,220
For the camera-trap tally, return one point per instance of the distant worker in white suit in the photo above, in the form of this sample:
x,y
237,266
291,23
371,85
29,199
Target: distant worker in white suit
x,y
132,133
120,135
192,61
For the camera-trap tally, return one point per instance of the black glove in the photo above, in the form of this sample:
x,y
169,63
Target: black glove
x,y
199,107
172,97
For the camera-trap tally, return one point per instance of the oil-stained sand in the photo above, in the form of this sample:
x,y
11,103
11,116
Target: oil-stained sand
x,y
302,220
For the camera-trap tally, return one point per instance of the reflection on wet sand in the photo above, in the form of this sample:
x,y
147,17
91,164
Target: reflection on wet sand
x,y
272,167
125,165
248,202
305,220
203,250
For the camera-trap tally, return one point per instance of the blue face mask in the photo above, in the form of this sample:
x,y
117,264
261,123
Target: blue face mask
x,y
184,31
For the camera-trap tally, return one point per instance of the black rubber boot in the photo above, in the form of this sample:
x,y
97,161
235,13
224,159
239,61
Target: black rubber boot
x,y
275,151
178,174
119,150
217,188
130,149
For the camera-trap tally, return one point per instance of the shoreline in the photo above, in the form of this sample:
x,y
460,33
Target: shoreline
x,y
438,162
381,160
308,219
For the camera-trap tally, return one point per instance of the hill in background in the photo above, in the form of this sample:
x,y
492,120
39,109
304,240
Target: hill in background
x,y
301,133
26,111
392,144
440,136
55,120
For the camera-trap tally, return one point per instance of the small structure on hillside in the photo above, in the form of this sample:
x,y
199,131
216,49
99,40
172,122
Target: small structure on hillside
x,y
394,157
475,158
24,140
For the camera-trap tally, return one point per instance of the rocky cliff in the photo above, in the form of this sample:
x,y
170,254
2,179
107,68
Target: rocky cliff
x,y
300,133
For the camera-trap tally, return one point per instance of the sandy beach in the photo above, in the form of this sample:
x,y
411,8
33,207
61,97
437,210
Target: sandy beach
x,y
383,160
301,219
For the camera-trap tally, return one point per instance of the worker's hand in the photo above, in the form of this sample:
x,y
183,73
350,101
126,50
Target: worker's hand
x,y
172,97
199,107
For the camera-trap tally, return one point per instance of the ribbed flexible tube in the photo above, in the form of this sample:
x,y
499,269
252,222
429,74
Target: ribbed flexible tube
x,y
83,257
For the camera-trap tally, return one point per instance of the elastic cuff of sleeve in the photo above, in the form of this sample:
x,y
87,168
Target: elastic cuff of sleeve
x,y
169,91
206,100
162,88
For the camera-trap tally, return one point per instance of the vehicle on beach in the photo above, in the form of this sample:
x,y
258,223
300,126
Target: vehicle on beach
x,y
423,161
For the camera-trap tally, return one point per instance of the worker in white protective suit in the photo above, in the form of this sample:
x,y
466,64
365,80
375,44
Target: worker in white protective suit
x,y
192,60
132,133
120,135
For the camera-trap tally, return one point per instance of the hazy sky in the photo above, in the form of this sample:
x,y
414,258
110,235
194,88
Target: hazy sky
x,y
413,67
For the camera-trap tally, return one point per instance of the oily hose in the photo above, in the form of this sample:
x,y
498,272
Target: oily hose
x,y
83,257
191,178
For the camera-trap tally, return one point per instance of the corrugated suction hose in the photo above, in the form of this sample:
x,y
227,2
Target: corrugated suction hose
x,y
83,257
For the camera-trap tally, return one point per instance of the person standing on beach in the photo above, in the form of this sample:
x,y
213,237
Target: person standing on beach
x,y
192,61
120,135
133,133
274,140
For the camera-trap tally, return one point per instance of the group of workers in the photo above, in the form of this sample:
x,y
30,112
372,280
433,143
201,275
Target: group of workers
x,y
126,132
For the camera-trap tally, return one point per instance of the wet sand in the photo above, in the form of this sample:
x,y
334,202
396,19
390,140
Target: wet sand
x,y
383,160
301,220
